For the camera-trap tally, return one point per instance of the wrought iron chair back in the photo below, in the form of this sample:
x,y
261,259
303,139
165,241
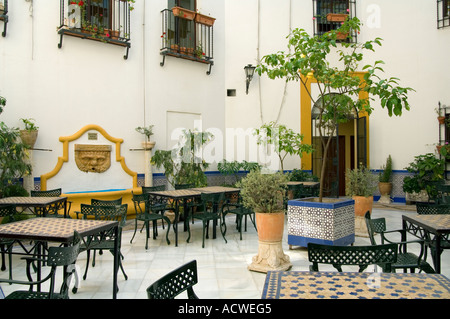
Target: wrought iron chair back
x,y
361,256
8,214
53,211
103,202
56,257
147,189
175,282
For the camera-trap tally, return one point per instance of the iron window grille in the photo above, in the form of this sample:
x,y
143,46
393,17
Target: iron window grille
x,y
107,21
184,38
329,15
4,15
443,13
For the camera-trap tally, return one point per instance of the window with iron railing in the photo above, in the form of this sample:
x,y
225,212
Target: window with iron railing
x,y
187,34
443,13
102,20
4,15
330,14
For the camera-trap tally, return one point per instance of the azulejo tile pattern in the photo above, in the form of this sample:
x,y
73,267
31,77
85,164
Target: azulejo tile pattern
x,y
309,223
350,285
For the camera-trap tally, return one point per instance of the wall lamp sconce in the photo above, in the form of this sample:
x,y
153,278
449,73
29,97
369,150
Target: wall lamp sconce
x,y
249,70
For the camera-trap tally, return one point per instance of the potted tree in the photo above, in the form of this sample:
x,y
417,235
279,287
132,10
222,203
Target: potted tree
x,y
360,185
29,133
147,132
339,85
384,181
285,140
264,193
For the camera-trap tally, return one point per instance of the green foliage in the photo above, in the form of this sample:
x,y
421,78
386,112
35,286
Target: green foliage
x,y
233,168
425,168
181,164
339,85
12,160
2,103
285,140
30,125
385,175
298,175
146,131
263,193
360,182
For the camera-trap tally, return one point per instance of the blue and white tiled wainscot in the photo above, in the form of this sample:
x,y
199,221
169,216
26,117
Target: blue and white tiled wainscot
x,y
330,222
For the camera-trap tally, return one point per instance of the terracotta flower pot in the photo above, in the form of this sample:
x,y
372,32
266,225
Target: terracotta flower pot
x,y
204,19
270,226
385,188
362,205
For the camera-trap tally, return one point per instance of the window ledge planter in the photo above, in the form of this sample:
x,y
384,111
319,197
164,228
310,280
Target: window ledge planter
x,y
204,19
183,13
337,17
331,222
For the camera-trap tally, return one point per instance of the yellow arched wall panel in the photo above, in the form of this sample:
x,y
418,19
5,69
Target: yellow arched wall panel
x,y
305,120
78,198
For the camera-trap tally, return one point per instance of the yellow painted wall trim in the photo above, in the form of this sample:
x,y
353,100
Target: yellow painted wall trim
x,y
305,114
65,158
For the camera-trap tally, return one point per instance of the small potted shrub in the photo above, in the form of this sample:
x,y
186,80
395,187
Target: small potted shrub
x,y
384,181
264,194
360,185
147,132
29,133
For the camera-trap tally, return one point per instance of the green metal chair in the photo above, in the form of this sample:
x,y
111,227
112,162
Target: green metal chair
x,y
56,257
361,256
157,201
405,260
241,213
211,211
175,282
425,208
104,202
8,215
53,211
149,209
113,213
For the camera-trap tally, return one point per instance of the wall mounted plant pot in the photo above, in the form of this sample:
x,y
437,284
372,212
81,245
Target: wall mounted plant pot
x,y
183,13
204,19
341,36
29,137
441,119
148,145
336,17
270,251
330,222
362,205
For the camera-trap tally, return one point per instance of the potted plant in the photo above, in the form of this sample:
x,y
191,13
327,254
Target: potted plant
x,y
29,133
384,181
147,132
441,119
285,140
337,17
264,194
204,19
360,185
12,160
425,170
183,13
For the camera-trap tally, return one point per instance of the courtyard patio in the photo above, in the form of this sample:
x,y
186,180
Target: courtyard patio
x,y
222,267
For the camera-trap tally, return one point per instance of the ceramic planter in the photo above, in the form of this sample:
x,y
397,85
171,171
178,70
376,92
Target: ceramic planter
x,y
270,251
204,19
336,17
183,13
29,137
330,222
385,191
362,205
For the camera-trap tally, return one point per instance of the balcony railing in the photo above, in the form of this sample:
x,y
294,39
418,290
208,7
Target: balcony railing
x,y
106,21
330,14
4,15
186,38
443,13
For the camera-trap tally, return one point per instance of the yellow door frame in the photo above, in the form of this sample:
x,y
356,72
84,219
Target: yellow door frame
x,y
305,118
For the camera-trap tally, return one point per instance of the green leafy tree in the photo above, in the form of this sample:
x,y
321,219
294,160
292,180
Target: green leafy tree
x,y
285,140
338,84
